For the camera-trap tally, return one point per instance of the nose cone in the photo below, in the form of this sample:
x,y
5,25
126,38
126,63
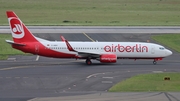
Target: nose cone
x,y
168,52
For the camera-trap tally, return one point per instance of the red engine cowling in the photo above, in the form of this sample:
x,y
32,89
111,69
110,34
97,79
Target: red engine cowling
x,y
108,58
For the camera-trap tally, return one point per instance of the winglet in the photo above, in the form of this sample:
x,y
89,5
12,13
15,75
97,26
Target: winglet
x,y
62,38
69,46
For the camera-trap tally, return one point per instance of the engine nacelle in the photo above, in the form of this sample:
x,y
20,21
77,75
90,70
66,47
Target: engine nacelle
x,y
108,58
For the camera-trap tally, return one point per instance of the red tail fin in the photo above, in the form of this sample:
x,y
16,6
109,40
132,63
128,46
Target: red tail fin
x,y
20,32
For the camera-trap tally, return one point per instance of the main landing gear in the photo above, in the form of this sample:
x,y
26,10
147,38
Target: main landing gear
x,y
88,61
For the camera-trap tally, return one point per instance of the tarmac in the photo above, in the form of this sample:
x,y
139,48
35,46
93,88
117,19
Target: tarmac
x,y
37,78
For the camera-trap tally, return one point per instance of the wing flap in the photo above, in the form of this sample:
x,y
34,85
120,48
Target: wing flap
x,y
88,54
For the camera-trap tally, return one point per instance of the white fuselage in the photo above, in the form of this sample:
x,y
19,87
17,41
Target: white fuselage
x,y
121,49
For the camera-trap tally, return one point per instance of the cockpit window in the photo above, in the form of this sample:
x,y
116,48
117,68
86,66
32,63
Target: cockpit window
x,y
161,48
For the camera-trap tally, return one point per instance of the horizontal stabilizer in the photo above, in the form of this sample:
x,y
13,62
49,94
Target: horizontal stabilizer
x,y
14,43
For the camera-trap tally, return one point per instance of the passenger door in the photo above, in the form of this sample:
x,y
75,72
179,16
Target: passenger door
x,y
152,49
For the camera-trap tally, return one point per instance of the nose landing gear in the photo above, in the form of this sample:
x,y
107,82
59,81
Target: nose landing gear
x,y
154,62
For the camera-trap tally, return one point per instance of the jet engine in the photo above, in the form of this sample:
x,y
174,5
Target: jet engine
x,y
108,58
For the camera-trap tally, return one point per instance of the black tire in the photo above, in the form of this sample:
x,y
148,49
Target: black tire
x,y
88,62
154,62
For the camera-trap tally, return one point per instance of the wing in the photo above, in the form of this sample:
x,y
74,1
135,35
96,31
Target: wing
x,y
89,54
83,53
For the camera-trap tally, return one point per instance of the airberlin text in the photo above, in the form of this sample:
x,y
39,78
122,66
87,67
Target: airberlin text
x,y
121,48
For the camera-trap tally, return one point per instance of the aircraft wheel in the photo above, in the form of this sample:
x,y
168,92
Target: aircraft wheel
x,y
88,62
154,62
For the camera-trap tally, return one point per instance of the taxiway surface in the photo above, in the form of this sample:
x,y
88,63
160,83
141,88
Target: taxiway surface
x,y
98,29
25,77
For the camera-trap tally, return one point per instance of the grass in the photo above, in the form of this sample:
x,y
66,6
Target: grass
x,y
93,12
5,48
170,40
149,82
154,82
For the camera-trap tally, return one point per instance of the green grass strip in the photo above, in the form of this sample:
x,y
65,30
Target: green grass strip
x,y
5,48
94,12
170,40
149,82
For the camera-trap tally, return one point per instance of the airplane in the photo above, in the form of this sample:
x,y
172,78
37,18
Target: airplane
x,y
105,52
